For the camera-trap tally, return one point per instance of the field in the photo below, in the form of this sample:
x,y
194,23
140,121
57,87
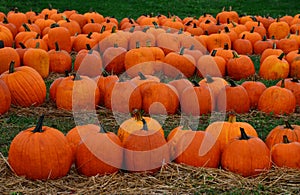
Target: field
x,y
172,178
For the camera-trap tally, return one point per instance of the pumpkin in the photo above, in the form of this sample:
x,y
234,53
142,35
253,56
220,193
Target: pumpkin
x,y
7,54
217,40
72,25
176,63
37,59
260,46
5,98
77,93
292,55
88,62
26,86
212,65
198,149
11,27
278,29
295,67
197,100
104,83
99,152
254,90
61,35
32,43
229,15
243,46
270,51
279,151
275,135
146,150
180,83
274,67
225,131
78,18
113,59
247,156
287,44
134,123
93,15
234,98
44,22
17,18
159,98
240,67
139,59
141,79
60,60
251,35
53,86
123,97
168,42
112,40
278,100
32,155
292,84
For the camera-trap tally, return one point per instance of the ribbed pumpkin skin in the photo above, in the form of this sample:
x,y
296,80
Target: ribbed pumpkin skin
x,y
199,149
5,98
98,152
26,85
40,156
8,54
246,157
38,59
145,151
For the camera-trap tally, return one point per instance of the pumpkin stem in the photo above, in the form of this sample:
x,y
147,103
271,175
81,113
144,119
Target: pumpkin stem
x,y
288,125
1,44
285,139
142,76
137,114
179,76
232,118
57,46
76,77
102,130
281,56
244,136
114,29
232,83
192,47
295,80
226,46
195,83
88,47
235,54
137,45
66,73
264,38
54,25
11,67
282,85
5,21
181,51
21,44
39,126
89,35
102,29
145,126
214,52
209,79
27,29
37,45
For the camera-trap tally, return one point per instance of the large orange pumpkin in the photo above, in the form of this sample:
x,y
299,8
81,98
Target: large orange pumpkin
x,y
5,98
8,54
246,156
31,153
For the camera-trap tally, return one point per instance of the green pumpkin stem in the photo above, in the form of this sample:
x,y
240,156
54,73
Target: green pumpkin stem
x,y
102,29
214,52
88,47
142,76
39,126
244,136
11,67
179,76
76,77
285,139
181,51
114,29
27,29
89,35
282,85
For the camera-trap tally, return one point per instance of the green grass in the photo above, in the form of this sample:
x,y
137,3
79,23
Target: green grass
x,y
182,8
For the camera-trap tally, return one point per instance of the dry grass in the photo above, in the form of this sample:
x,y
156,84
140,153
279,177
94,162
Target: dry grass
x,y
171,179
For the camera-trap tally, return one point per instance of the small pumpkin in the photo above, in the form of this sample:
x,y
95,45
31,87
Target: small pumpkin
x,y
254,90
274,67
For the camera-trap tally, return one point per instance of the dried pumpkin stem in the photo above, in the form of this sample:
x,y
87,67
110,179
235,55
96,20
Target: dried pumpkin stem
x,y
145,126
11,67
142,76
39,126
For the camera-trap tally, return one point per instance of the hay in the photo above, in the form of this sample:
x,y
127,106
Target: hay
x,y
171,179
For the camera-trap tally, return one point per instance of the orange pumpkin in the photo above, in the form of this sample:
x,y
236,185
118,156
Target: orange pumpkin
x,y
8,54
5,98
254,90
240,67
39,160
274,67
